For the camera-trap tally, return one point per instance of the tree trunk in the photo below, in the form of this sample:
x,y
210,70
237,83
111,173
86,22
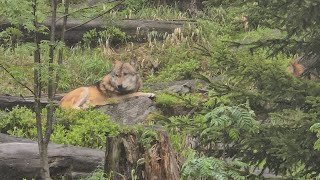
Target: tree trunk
x,y
44,169
127,158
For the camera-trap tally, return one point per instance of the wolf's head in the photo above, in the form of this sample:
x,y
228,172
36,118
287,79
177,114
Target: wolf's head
x,y
124,78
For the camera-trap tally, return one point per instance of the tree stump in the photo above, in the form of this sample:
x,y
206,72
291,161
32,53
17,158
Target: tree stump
x,y
128,158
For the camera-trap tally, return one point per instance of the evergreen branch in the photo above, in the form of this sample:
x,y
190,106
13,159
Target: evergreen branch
x,y
23,85
99,15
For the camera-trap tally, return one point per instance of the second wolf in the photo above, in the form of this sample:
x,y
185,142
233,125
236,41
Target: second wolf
x,y
123,82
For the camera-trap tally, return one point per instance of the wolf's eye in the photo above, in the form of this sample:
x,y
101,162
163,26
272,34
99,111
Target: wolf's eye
x,y
125,74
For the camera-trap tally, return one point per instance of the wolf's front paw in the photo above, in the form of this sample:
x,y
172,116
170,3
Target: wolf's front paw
x,y
150,95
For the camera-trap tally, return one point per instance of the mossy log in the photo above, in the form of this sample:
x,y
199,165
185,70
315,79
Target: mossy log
x,y
126,158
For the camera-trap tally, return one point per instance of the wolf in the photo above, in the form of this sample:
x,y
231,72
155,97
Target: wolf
x,y
306,66
296,69
122,83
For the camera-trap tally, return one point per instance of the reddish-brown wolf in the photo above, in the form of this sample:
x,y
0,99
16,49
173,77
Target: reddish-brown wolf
x,y
122,83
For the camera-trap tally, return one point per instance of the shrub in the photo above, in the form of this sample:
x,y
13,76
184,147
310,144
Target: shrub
x,y
81,128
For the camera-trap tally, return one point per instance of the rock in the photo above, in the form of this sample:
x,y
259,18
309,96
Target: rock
x,y
9,139
130,112
183,86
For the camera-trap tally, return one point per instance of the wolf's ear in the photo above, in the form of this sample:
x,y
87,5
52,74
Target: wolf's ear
x,y
133,61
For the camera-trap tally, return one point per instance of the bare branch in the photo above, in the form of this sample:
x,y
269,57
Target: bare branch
x,y
25,86
82,9
96,16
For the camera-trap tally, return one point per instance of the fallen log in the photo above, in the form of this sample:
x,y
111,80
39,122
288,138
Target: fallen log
x,y
131,27
8,102
19,159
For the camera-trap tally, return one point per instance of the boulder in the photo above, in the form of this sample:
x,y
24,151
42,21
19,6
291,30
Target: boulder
x,y
130,112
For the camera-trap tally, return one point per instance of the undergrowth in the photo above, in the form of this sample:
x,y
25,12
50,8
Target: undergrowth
x,y
251,113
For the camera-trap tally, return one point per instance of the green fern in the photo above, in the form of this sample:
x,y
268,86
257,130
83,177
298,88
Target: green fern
x,y
211,168
234,120
316,129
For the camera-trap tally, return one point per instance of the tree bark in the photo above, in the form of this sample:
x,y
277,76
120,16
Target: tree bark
x,y
44,170
43,142
127,158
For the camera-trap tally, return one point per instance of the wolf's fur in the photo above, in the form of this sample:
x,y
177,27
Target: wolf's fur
x,y
123,82
296,69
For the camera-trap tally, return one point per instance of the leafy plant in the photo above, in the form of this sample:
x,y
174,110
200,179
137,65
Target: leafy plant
x,y
98,174
20,122
212,168
110,34
316,129
81,128
179,71
148,138
233,121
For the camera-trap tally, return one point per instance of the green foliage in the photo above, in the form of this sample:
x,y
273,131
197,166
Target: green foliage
x,y
135,5
233,121
314,104
184,70
298,19
82,128
284,145
224,3
316,129
98,174
83,68
243,86
108,35
148,137
10,35
222,129
18,63
168,100
159,13
20,13
212,168
18,122
80,68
